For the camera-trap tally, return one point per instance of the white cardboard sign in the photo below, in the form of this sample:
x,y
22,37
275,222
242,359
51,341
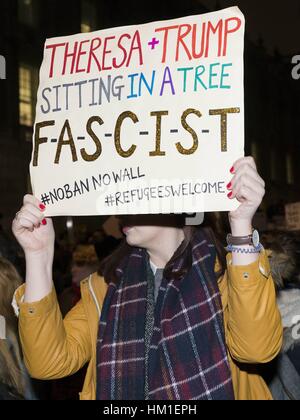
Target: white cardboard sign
x,y
141,119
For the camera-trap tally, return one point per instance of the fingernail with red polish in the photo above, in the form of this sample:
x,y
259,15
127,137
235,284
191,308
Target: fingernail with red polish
x,y
44,222
232,170
42,207
229,195
229,186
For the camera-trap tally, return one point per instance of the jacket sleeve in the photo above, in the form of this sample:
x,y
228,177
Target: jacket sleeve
x,y
252,319
53,348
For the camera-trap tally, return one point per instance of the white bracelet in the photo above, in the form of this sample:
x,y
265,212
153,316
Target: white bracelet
x,y
252,250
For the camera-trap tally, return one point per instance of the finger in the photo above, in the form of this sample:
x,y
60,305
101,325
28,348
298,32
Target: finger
x,y
248,159
247,194
242,194
32,209
249,190
23,223
250,183
30,199
25,215
243,173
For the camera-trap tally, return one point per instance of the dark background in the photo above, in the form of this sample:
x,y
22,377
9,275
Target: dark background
x,y
272,96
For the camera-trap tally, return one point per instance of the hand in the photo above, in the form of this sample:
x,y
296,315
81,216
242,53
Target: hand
x,y
34,233
249,189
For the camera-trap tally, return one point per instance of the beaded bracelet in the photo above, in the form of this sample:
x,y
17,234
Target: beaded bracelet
x,y
253,250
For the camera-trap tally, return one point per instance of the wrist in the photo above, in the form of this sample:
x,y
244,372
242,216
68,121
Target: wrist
x,y
241,227
40,259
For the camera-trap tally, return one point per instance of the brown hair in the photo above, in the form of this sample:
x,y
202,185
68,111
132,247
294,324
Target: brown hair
x,y
10,354
85,254
284,257
108,266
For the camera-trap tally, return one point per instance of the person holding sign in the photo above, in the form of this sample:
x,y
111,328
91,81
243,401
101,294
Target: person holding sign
x,y
165,320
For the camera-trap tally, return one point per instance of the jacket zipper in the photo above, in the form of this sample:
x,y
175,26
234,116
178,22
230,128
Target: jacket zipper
x,y
94,296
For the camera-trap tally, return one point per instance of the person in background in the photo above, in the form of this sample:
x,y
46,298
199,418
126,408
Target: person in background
x,y
11,251
106,246
84,262
14,381
283,374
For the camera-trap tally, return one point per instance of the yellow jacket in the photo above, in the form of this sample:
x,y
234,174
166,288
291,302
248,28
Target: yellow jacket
x,y
54,348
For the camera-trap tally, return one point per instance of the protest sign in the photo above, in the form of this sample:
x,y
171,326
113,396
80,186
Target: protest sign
x,y
141,119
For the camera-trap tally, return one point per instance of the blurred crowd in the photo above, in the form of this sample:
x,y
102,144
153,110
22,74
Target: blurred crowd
x,y
73,262
76,261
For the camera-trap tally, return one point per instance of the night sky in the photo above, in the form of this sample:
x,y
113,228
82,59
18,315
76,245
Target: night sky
x,y
276,22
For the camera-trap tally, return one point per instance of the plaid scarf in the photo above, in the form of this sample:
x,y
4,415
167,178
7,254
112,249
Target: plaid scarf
x,y
187,359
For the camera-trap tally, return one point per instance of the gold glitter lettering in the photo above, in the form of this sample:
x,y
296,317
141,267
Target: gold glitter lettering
x,y
39,140
90,131
68,142
119,123
158,115
185,125
223,113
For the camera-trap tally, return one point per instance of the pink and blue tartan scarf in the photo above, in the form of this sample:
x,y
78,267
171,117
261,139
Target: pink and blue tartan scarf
x,y
188,357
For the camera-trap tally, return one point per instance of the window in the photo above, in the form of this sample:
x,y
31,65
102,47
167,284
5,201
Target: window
x,y
88,16
27,94
85,28
289,170
27,12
